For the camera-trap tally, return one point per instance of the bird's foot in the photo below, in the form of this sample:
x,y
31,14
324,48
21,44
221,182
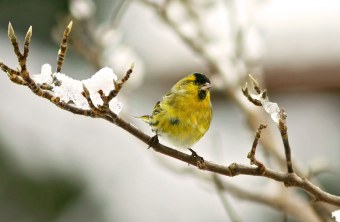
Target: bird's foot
x,y
199,160
153,141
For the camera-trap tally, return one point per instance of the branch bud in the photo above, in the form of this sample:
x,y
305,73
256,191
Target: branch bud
x,y
28,34
11,33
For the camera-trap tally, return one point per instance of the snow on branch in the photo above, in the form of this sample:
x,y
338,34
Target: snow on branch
x,y
70,90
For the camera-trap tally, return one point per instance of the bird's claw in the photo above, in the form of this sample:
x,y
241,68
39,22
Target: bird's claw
x,y
153,141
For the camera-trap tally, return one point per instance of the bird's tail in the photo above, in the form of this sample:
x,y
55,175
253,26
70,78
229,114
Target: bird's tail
x,y
145,118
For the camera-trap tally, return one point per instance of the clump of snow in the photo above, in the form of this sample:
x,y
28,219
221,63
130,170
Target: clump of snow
x,y
45,76
70,90
102,80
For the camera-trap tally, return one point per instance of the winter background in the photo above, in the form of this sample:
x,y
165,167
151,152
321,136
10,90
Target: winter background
x,y
56,166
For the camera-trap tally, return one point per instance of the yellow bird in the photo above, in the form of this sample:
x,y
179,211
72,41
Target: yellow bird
x,y
184,114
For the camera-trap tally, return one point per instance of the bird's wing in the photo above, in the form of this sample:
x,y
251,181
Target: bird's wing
x,y
157,109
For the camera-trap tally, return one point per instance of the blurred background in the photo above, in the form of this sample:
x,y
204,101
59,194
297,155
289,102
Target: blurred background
x,y
56,166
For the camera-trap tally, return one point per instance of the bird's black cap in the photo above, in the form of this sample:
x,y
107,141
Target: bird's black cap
x,y
201,79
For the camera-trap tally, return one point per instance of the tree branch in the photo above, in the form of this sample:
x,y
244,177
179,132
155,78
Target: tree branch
x,y
104,112
216,65
231,90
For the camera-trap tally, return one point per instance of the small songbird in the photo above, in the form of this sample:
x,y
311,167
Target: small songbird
x,y
184,114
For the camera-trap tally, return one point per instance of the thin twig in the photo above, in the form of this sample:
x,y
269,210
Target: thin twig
x,y
13,75
284,135
86,94
26,45
15,44
246,93
251,154
63,47
288,203
117,12
120,83
227,206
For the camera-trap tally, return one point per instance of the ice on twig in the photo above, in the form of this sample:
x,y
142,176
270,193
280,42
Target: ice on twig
x,y
261,98
271,108
69,90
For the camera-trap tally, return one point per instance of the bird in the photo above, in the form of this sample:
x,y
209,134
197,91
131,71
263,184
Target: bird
x,y
183,115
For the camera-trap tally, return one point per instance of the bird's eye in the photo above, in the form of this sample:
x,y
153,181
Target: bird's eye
x,y
202,94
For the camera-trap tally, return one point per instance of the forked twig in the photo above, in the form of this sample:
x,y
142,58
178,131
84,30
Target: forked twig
x,y
278,115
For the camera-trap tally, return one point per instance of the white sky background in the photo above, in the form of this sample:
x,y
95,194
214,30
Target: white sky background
x,y
126,178
301,32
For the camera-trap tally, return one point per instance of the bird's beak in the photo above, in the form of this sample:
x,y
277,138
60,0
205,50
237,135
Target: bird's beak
x,y
206,86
